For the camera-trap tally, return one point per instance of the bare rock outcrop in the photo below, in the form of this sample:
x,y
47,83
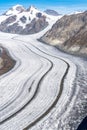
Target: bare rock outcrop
x,y
69,33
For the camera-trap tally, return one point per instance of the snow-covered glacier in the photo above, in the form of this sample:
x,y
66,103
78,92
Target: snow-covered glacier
x,y
46,88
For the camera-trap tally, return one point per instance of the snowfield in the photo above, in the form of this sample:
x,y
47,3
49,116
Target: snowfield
x,y
40,92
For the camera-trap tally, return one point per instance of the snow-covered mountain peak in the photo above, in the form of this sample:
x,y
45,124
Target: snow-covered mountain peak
x,y
32,10
15,10
25,21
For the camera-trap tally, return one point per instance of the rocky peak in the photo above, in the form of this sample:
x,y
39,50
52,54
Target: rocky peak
x,y
32,9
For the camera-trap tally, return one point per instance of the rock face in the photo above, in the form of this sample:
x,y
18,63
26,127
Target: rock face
x,y
78,43
35,26
23,21
51,12
69,33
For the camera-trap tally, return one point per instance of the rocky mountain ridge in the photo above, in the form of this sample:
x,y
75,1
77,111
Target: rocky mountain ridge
x,y
69,33
19,20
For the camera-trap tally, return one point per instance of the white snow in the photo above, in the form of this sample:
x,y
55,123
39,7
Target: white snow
x,y
14,11
2,18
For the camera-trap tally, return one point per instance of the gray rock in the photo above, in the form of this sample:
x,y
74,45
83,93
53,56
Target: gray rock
x,y
15,28
39,15
35,26
9,20
23,19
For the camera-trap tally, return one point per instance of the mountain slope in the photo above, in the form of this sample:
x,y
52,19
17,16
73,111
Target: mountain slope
x,y
69,33
78,43
24,21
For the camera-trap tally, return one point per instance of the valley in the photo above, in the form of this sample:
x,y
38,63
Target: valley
x,y
41,87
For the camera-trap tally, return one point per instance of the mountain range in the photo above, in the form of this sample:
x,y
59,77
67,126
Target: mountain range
x,y
68,33
24,21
